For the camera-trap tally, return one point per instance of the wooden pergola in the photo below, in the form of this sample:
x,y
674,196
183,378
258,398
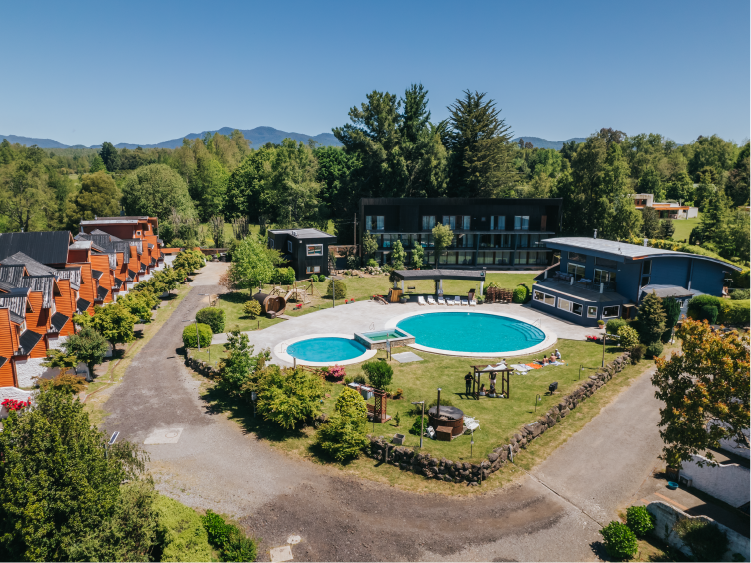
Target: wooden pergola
x,y
505,379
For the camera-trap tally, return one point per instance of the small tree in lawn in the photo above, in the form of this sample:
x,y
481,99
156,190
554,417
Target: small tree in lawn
x,y
398,256
667,229
442,237
114,322
343,436
369,244
170,279
418,256
651,318
88,346
288,396
379,374
251,266
705,391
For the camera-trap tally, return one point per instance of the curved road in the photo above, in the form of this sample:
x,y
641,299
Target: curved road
x,y
552,515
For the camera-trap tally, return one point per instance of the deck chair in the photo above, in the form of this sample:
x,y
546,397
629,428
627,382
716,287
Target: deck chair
x,y
473,302
457,300
449,302
431,301
441,301
420,300
465,302
430,433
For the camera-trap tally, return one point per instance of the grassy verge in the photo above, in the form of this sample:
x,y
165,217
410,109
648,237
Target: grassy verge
x,y
98,392
683,227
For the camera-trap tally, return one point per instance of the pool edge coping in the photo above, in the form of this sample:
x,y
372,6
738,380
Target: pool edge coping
x,y
550,337
285,357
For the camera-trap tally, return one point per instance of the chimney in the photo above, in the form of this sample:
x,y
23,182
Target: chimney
x,y
646,240
595,233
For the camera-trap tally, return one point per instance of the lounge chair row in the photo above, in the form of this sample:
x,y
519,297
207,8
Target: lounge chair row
x,y
449,302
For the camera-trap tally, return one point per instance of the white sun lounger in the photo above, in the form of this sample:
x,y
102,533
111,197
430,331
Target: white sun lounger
x,y
449,302
431,301
441,301
457,300
473,303
420,300
465,302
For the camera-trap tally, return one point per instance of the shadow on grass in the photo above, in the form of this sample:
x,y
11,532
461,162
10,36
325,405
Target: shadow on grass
x,y
234,297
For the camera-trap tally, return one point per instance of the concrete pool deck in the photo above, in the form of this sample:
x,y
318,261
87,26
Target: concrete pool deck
x,y
364,316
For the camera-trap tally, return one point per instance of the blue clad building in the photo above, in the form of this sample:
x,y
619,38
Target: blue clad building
x,y
603,279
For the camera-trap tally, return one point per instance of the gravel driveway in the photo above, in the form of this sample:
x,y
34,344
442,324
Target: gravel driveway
x,y
551,515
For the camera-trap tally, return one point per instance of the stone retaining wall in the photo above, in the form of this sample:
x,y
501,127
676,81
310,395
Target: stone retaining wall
x,y
201,367
444,469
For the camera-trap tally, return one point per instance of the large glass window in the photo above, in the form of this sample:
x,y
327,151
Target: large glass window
x,y
576,257
591,311
604,276
450,220
521,223
465,222
502,241
570,306
605,263
611,311
646,273
465,240
486,241
374,223
428,222
314,249
544,298
576,270
498,223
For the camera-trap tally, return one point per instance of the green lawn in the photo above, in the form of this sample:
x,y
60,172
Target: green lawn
x,y
499,418
683,228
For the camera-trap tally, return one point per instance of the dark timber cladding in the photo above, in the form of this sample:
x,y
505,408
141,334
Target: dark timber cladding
x,y
490,233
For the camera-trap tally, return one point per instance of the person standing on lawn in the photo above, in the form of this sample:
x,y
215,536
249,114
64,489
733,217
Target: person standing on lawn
x,y
468,384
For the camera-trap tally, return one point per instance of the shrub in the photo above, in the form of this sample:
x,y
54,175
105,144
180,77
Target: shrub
x,y
341,289
706,541
639,519
734,312
343,436
379,373
189,335
637,353
239,548
703,312
288,396
284,276
353,262
334,373
701,300
372,263
212,316
620,542
627,337
217,530
614,325
65,382
740,294
360,378
491,284
654,349
252,308
228,539
417,425
180,534
521,292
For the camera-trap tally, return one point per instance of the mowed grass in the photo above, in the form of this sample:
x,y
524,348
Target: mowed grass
x,y
683,227
358,289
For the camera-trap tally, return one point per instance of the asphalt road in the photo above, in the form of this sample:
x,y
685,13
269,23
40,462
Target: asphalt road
x,y
552,515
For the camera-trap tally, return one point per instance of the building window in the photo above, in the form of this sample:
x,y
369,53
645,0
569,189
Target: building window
x,y
604,276
312,269
544,298
611,311
464,241
271,243
570,306
374,222
465,222
314,249
592,312
576,270
646,273
289,246
138,233
575,257
450,220
605,263
498,223
428,222
521,223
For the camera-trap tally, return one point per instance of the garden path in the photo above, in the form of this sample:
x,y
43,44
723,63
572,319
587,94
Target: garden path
x,y
215,464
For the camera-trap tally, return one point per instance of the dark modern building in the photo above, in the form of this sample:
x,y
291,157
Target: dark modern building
x,y
490,233
604,279
306,250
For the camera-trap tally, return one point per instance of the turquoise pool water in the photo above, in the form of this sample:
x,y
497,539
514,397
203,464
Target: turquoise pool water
x,y
326,349
383,335
471,332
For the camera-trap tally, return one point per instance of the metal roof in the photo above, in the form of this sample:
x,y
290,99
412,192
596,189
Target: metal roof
x,y
113,221
82,304
58,321
101,293
131,275
302,233
81,245
411,275
34,267
45,284
626,251
27,341
12,274
118,283
96,274
72,273
663,291
46,247
16,303
5,286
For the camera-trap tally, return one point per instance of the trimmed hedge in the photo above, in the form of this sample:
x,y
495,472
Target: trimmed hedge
x,y
521,292
284,276
341,289
180,532
212,316
189,335
613,325
735,312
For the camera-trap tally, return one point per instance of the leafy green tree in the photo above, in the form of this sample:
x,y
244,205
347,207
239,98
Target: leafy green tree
x,y
343,435
369,244
98,197
155,190
651,225
398,255
26,197
87,346
115,323
108,154
240,365
705,539
713,152
620,542
681,188
667,229
481,151
627,337
705,391
97,165
251,264
651,183
288,396
737,184
61,359
442,237
246,184
651,318
672,314
622,219
379,373
334,167
138,304
418,256
61,492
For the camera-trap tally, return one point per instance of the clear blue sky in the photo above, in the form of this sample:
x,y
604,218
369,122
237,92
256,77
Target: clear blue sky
x,y
146,72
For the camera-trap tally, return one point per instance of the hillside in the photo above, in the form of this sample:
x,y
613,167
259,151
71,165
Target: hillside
x,y
545,144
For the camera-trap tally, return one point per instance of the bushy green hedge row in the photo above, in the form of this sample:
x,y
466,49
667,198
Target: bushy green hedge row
x,y
716,310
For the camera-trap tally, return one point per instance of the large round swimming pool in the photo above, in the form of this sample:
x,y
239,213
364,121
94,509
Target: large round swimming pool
x,y
471,332
326,349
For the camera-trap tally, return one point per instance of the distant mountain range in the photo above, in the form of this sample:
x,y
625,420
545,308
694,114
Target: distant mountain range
x,y
258,137
544,144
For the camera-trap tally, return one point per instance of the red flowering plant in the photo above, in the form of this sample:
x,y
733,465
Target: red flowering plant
x,y
15,404
334,373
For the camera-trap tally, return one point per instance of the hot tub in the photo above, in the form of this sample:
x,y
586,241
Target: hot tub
x,y
377,340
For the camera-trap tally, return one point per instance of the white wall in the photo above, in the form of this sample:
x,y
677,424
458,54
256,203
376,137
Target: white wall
x,y
29,370
169,258
12,393
55,342
729,483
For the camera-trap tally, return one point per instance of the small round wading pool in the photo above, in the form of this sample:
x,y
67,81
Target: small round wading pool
x,y
464,333
323,350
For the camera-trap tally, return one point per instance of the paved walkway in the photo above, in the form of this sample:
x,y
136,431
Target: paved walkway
x,y
362,316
